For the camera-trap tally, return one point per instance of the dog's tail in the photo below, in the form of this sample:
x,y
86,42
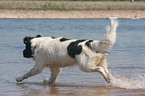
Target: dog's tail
x,y
110,37
111,32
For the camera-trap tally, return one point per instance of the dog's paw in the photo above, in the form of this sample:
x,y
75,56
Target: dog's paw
x,y
48,82
19,79
45,81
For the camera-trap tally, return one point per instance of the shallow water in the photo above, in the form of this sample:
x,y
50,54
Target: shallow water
x,y
126,62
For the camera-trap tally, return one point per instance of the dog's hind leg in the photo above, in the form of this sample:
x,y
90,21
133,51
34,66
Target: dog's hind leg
x,y
54,74
34,71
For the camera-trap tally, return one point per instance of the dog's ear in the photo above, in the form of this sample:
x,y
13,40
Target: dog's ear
x,y
38,36
27,40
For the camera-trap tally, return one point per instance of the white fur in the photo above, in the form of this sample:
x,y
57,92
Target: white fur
x,y
53,54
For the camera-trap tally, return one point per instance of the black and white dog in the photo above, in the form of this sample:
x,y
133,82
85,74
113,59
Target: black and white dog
x,y
56,53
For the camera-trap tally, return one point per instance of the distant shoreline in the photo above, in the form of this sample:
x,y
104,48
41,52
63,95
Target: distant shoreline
x,y
71,9
72,14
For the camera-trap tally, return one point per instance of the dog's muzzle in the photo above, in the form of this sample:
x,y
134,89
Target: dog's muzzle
x,y
27,53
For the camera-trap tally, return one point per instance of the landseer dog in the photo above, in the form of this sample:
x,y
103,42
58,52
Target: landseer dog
x,y
56,53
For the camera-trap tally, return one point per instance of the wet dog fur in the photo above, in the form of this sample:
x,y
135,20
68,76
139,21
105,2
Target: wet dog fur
x,y
59,52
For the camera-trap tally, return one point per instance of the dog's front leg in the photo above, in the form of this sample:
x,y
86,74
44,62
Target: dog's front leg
x,y
54,74
103,72
34,71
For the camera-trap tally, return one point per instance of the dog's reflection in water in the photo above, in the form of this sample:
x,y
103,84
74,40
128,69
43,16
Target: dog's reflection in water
x,y
61,89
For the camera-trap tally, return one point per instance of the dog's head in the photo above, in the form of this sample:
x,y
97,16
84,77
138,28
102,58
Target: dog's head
x,y
28,52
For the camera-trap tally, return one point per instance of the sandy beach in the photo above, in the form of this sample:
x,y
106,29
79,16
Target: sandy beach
x,y
71,9
72,14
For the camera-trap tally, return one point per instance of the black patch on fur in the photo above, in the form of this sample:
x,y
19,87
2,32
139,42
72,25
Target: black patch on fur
x,y
38,36
88,43
28,52
63,39
53,37
73,48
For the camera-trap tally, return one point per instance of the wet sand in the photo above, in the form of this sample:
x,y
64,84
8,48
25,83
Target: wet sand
x,y
64,89
72,14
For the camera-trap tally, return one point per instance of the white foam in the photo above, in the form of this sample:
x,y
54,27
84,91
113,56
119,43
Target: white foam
x,y
135,82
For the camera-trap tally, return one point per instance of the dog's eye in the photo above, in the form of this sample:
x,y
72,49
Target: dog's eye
x,y
25,41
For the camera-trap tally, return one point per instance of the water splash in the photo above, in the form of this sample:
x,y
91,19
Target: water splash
x,y
134,82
